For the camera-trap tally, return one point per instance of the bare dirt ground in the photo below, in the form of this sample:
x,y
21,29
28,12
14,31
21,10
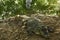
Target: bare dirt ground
x,y
12,30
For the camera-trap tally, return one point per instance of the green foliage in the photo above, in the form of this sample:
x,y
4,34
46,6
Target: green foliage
x,y
14,7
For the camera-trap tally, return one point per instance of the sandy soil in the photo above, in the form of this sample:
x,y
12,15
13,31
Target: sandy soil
x,y
16,32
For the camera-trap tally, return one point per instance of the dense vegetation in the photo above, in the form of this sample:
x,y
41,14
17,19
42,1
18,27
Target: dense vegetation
x,y
13,7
